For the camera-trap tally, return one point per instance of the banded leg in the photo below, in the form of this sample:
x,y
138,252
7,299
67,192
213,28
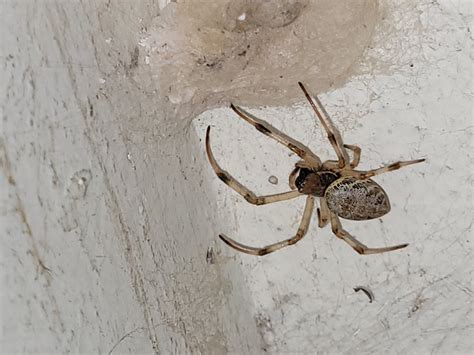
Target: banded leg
x,y
384,169
303,228
333,134
356,151
264,127
354,243
334,164
241,189
323,213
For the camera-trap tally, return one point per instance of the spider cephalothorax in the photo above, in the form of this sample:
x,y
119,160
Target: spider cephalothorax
x,y
311,182
342,191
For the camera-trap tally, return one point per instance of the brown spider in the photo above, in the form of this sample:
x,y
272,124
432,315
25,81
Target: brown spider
x,y
342,191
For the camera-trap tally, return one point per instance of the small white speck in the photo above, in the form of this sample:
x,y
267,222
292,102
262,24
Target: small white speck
x,y
242,17
102,80
129,158
79,182
273,180
147,59
140,209
108,40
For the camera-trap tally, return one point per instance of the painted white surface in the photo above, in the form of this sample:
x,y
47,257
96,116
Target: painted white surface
x,y
421,108
105,220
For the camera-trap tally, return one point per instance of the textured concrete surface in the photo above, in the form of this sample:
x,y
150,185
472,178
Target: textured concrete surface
x,y
110,211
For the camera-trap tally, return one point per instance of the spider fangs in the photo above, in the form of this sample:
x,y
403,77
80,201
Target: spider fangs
x,y
342,191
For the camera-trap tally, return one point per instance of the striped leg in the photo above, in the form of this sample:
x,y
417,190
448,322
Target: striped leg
x,y
354,243
303,228
384,169
241,189
333,134
334,164
356,158
264,127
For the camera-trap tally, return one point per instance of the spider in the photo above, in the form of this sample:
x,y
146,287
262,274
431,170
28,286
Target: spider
x,y
343,192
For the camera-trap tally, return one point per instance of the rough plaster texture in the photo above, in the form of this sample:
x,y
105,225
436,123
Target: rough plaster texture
x,y
110,211
105,222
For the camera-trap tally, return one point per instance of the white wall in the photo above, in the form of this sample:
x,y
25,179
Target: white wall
x,y
105,220
109,204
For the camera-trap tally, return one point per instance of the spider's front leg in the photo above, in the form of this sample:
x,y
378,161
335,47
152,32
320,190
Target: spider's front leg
x,y
303,228
354,243
264,127
333,134
230,181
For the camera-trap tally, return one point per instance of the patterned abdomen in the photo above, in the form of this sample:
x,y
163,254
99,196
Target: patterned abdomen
x,y
357,200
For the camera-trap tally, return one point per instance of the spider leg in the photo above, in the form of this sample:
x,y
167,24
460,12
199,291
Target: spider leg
x,y
331,165
303,228
333,134
384,169
354,243
241,189
264,127
303,164
323,213
334,164
356,150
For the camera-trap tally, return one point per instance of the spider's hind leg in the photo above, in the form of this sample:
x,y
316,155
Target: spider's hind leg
x,y
303,228
230,181
354,243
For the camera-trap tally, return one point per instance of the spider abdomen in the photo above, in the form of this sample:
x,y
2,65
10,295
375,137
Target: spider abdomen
x,y
357,200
